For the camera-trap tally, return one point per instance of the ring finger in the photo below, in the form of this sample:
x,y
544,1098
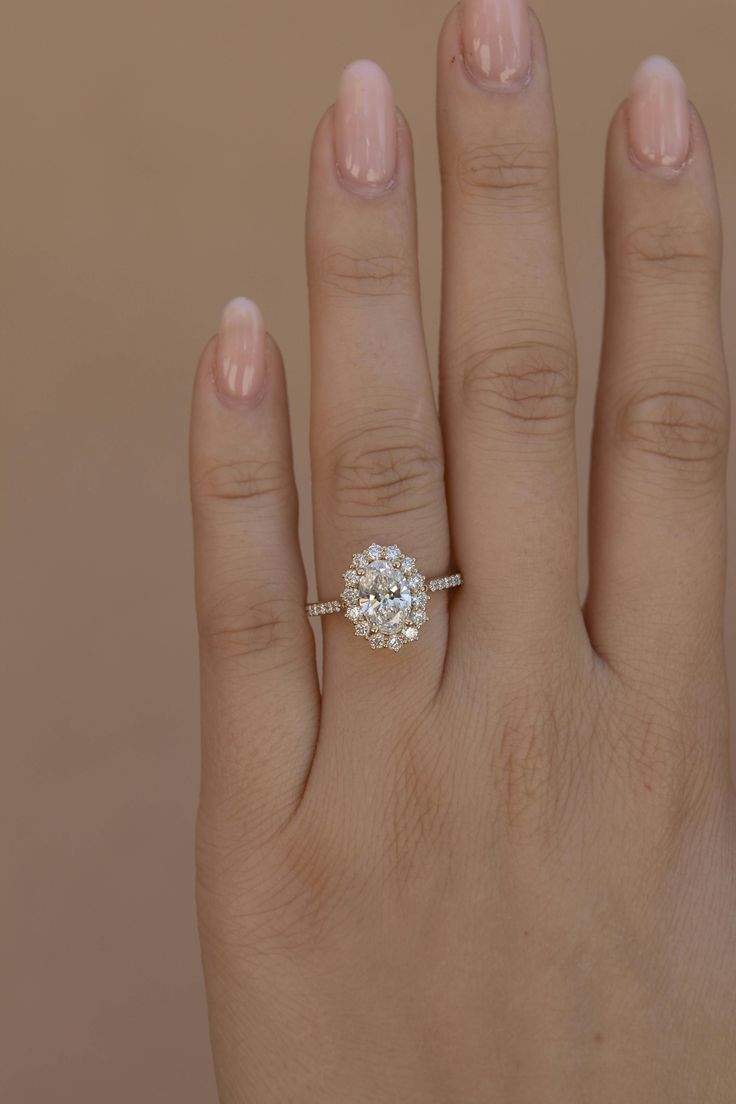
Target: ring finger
x,y
376,444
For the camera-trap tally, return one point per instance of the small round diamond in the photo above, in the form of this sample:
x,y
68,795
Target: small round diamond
x,y
374,551
393,552
411,633
408,565
353,613
377,641
419,617
395,643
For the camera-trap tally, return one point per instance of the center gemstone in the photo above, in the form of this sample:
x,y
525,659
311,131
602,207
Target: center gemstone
x,y
384,597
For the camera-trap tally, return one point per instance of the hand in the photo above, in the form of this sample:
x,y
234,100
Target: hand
x,y
497,865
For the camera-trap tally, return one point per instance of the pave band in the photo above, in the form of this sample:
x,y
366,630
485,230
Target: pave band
x,y
317,609
385,596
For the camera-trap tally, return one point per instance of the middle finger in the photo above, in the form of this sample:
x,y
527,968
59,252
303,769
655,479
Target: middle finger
x,y
508,350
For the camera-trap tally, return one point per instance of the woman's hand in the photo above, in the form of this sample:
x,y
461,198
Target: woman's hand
x,y
497,865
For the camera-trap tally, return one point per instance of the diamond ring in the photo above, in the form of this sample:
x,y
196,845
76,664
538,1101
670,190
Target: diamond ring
x,y
385,596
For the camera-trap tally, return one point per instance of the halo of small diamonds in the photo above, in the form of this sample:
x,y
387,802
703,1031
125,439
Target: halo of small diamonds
x,y
385,597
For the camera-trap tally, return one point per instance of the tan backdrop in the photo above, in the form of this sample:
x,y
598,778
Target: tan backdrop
x,y
154,156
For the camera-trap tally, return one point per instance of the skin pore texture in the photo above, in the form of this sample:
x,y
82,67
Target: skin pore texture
x,y
497,865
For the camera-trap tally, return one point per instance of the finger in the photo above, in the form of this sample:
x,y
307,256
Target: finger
x,y
657,492
376,446
259,688
507,349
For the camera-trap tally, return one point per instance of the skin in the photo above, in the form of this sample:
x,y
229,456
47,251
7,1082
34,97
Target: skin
x,y
497,866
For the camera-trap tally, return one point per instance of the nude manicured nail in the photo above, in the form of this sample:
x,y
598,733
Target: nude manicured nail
x,y
659,115
240,368
496,42
365,127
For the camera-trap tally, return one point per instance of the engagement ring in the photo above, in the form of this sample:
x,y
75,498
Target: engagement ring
x,y
385,596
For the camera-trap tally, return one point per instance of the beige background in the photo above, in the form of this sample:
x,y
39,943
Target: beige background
x,y
154,157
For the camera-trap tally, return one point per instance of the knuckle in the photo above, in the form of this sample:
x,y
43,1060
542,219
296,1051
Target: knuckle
x,y
384,472
245,629
662,756
685,248
242,481
286,892
368,273
680,427
530,749
424,809
252,897
524,766
528,383
516,174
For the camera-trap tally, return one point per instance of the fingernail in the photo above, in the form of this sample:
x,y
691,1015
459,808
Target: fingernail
x,y
240,368
365,127
496,41
659,115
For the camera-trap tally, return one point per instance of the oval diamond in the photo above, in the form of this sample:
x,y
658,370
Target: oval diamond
x,y
385,599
